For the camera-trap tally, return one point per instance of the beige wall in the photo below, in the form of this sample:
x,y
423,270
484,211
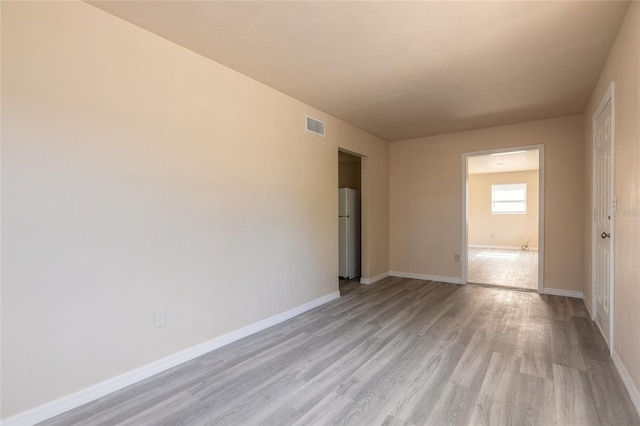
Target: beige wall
x,y
622,67
511,230
425,193
137,175
349,174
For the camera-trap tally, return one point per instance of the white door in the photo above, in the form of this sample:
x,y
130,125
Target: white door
x,y
602,214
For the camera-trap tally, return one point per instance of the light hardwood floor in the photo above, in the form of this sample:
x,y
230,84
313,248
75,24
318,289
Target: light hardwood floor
x,y
503,267
398,352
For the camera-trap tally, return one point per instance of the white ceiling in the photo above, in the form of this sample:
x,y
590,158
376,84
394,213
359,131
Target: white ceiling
x,y
403,69
513,161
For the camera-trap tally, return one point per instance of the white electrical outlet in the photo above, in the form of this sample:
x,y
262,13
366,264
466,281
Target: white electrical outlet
x,y
159,318
456,258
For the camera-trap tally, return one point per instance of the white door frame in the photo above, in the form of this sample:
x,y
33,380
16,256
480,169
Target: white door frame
x,y
465,212
609,96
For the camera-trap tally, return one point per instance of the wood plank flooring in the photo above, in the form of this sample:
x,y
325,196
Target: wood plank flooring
x,y
503,267
398,352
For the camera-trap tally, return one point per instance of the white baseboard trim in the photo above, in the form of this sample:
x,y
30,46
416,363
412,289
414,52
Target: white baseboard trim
x,y
374,279
501,247
561,292
587,304
69,402
626,378
452,280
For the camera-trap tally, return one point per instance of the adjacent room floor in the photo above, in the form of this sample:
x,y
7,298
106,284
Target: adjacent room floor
x,y
503,267
398,352
347,286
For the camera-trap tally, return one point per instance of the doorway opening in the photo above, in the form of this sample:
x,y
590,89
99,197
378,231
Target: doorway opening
x,y
503,197
349,220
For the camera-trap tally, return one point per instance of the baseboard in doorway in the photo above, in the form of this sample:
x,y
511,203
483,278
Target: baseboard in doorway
x,y
374,279
69,402
587,304
560,292
500,247
626,379
426,277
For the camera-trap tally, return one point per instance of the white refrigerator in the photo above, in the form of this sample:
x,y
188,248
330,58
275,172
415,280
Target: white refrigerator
x,y
349,232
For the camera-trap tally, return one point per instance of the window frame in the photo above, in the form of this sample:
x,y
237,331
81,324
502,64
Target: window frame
x,y
504,186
